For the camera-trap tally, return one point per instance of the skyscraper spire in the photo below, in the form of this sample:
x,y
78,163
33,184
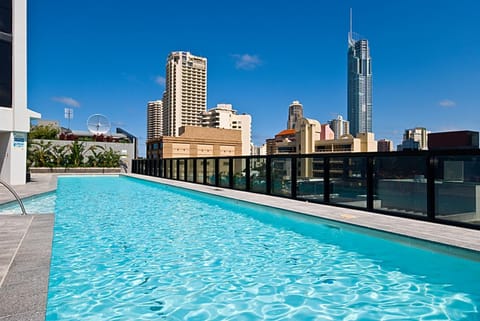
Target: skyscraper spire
x,y
350,33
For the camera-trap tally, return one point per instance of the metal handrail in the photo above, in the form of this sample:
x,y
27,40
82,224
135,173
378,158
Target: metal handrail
x,y
19,200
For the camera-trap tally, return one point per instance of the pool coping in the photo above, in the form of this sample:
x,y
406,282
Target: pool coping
x,y
26,246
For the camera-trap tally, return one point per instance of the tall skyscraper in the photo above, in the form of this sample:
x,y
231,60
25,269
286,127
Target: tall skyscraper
x,y
154,119
359,98
295,113
185,92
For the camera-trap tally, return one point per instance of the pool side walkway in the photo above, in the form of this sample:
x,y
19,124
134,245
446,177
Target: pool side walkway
x,y
26,240
25,251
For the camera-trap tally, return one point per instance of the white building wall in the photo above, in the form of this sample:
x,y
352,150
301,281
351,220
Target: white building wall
x,y
15,120
244,123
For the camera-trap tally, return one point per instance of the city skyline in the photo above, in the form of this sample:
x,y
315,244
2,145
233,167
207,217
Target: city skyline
x,y
261,58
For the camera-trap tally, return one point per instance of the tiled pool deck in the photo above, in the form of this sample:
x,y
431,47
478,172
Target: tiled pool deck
x,y
25,241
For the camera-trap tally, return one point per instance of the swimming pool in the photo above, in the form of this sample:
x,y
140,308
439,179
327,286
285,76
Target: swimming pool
x,y
126,249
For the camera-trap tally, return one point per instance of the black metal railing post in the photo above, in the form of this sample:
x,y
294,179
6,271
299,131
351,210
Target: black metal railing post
x,y
293,177
194,170
326,180
230,173
204,171
247,175
430,160
370,182
216,171
268,175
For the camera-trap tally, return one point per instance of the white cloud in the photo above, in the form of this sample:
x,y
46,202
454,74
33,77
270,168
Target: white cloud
x,y
118,123
246,61
447,103
160,80
69,101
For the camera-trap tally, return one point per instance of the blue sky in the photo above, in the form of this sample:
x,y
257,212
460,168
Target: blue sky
x,y
108,57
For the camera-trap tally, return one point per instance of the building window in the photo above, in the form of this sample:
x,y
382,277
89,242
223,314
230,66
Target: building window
x,y
6,53
6,16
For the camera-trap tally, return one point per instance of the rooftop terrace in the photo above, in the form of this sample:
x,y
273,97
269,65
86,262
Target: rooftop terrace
x,y
25,241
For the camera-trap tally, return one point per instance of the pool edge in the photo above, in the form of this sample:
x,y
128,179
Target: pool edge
x,y
24,290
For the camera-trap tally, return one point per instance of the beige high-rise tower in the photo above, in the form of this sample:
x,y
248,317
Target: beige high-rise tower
x,y
154,119
185,92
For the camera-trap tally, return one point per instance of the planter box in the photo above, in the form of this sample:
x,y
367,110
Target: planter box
x,y
76,170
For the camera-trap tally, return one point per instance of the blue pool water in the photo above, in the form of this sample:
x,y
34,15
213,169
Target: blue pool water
x,y
126,249
39,204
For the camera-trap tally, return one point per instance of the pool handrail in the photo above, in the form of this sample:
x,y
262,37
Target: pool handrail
x,y
19,200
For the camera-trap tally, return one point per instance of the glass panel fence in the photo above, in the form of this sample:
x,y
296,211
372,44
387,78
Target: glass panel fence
x,y
281,176
310,178
258,177
457,188
181,168
210,171
168,165
348,182
174,168
400,184
224,172
239,173
190,173
154,167
200,171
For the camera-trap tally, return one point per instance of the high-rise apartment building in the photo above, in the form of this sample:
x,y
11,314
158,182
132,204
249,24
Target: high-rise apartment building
x,y
185,95
154,119
339,126
224,116
295,113
14,114
359,97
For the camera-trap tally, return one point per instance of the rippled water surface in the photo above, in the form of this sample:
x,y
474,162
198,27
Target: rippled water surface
x,y
130,250
40,204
